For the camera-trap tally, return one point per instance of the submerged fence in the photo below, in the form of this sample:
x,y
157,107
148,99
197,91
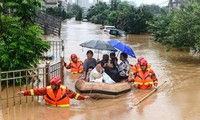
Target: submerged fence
x,y
14,81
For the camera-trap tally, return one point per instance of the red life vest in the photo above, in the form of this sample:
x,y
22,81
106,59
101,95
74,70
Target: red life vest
x,y
143,79
60,99
76,67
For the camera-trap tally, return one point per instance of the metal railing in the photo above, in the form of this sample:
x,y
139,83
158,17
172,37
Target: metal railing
x,y
55,51
14,81
18,80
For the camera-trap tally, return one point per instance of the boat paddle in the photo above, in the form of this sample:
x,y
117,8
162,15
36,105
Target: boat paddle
x,y
149,94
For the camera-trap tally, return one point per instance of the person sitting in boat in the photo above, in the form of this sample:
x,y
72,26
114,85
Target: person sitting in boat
x,y
88,74
105,59
76,65
145,77
113,56
56,94
89,62
123,68
98,74
111,68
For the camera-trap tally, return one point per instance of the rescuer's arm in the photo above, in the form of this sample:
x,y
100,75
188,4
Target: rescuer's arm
x,y
154,78
33,92
75,95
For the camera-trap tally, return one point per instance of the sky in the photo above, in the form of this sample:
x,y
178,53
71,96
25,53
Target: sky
x,y
139,2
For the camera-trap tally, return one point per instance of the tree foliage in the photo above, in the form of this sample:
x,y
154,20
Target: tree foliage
x,y
21,45
160,25
97,9
180,29
122,15
134,21
73,10
24,9
79,14
184,28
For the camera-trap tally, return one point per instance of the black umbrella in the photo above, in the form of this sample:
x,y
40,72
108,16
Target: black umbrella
x,y
98,45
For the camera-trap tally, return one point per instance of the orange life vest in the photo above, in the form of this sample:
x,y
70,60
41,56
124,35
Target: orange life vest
x,y
76,67
60,99
143,80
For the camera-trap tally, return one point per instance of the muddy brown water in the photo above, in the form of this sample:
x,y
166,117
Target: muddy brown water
x,y
178,99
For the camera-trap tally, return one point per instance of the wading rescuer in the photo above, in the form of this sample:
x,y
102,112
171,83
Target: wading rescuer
x,y
76,65
135,68
56,94
144,77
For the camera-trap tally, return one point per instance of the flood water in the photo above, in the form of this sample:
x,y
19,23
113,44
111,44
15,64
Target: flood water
x,y
177,99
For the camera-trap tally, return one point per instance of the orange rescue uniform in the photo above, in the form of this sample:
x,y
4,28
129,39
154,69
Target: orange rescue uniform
x,y
146,79
136,67
75,67
58,97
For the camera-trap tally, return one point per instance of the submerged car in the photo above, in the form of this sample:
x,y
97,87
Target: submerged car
x,y
84,20
108,28
117,32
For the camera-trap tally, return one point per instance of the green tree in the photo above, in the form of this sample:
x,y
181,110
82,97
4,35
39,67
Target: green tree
x,y
134,21
97,9
184,29
160,25
179,28
21,45
100,18
79,14
113,15
154,9
24,9
114,4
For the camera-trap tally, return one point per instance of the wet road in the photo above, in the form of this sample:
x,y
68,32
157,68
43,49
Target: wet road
x,y
178,99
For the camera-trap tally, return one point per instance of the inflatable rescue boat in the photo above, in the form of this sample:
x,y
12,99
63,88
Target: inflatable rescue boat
x,y
102,90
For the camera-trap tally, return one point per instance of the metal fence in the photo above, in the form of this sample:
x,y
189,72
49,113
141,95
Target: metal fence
x,y
55,51
14,81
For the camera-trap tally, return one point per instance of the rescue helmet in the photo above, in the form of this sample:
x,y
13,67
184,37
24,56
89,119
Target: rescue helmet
x,y
73,56
139,59
143,62
56,81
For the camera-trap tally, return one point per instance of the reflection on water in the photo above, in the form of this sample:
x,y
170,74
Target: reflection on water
x,y
175,100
